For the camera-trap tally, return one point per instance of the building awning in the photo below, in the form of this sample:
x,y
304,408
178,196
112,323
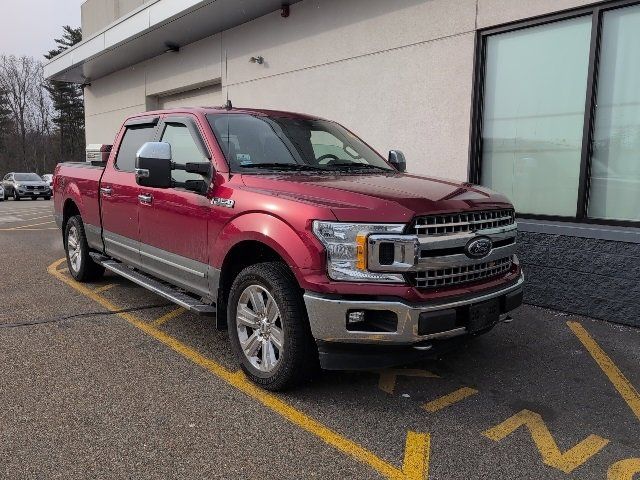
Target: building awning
x,y
150,31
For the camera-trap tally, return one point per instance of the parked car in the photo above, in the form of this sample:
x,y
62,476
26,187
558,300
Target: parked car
x,y
303,241
25,185
48,177
2,197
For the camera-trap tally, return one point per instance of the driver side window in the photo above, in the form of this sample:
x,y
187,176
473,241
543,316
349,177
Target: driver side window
x,y
183,150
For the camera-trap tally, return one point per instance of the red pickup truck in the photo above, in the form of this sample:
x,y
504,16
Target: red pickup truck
x,y
301,240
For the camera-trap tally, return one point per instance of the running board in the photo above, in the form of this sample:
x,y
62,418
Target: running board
x,y
159,288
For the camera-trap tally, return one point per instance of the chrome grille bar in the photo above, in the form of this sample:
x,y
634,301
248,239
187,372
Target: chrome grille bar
x,y
463,274
445,224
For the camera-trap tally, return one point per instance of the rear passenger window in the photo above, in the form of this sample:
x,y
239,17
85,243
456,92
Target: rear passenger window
x,y
133,139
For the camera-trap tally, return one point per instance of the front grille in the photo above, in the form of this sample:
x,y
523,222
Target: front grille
x,y
462,222
445,277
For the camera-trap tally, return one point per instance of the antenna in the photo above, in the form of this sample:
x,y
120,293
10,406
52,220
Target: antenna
x,y
228,104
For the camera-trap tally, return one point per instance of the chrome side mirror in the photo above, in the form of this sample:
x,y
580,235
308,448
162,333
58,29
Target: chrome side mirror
x,y
153,165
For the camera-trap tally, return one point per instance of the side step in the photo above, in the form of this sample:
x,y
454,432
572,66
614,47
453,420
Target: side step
x,y
159,288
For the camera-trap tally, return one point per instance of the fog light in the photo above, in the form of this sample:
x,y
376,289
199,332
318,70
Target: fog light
x,y
356,316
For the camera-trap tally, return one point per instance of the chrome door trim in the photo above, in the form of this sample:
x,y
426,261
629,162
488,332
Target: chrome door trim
x,y
175,265
126,247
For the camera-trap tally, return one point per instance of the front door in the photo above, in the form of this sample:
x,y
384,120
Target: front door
x,y
173,221
119,194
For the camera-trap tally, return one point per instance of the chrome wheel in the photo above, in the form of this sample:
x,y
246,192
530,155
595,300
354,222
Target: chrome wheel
x,y
73,247
260,328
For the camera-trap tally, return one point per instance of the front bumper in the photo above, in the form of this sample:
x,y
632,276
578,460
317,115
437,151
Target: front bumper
x,y
328,317
34,193
421,331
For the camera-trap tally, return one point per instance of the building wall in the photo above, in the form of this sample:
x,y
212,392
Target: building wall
x,y
97,14
398,73
591,277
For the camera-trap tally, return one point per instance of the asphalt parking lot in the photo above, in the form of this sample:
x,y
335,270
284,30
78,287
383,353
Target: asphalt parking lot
x,y
153,392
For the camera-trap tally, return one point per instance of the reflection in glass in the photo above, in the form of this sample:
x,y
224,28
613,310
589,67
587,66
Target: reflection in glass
x,y
535,89
615,165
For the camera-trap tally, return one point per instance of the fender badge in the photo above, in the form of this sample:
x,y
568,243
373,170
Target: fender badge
x,y
222,202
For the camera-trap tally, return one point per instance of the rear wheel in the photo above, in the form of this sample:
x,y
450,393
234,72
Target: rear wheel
x,y
81,265
268,327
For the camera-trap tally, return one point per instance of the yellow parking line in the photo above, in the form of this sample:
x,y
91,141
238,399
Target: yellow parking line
x,y
416,458
387,381
21,227
104,288
449,399
617,378
168,316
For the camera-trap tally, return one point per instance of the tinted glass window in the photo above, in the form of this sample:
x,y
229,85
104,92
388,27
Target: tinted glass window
x,y
250,141
133,139
535,89
183,150
27,177
615,166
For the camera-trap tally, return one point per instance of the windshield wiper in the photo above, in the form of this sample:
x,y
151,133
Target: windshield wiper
x,y
359,166
283,166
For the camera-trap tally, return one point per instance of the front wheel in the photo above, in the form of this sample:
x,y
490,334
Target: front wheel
x,y
16,197
81,266
268,327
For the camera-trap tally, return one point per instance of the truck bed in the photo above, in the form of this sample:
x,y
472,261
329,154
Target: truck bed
x,y
79,181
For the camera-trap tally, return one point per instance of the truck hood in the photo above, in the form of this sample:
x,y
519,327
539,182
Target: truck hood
x,y
381,198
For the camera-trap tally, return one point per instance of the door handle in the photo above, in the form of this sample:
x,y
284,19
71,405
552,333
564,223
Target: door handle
x,y
146,199
106,190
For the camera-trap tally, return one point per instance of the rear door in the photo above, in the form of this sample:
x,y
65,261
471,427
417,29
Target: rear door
x,y
173,221
119,193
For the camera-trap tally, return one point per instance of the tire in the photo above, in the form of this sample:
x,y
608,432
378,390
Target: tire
x,y
34,198
297,359
16,197
47,198
81,266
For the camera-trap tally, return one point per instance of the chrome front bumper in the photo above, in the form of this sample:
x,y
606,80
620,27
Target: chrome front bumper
x,y
327,317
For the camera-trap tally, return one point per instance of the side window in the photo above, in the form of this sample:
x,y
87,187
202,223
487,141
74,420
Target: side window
x,y
183,150
133,139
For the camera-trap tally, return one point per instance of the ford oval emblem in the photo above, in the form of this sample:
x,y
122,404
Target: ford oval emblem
x,y
478,247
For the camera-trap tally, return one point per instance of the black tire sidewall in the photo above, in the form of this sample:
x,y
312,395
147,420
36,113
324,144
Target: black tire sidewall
x,y
89,270
282,286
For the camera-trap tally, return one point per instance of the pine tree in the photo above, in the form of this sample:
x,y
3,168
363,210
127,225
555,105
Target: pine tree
x,y
68,103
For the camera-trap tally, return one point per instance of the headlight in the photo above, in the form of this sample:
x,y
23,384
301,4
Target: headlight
x,y
346,245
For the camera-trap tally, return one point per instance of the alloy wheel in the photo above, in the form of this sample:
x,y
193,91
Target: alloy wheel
x,y
260,329
73,246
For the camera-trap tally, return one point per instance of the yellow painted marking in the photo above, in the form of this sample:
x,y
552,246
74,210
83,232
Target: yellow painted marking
x,y
547,446
25,226
387,382
624,469
417,452
168,316
449,399
617,378
416,459
104,288
36,229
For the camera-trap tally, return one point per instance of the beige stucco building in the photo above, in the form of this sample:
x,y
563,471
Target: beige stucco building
x,y
499,92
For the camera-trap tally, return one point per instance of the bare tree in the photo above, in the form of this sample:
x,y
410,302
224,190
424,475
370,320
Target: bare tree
x,y
20,81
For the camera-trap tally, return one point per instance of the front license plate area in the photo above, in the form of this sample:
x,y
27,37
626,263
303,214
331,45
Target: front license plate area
x,y
483,315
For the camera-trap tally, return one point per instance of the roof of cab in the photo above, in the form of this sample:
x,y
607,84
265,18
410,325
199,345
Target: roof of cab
x,y
223,110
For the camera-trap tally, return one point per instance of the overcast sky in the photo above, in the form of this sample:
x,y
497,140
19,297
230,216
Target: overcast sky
x,y
28,27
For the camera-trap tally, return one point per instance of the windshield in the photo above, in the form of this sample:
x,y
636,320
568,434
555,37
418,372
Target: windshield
x,y
254,143
27,177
